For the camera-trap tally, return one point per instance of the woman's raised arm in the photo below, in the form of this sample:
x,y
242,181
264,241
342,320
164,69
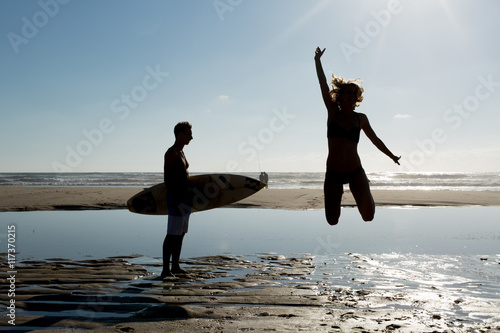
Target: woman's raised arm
x,y
325,90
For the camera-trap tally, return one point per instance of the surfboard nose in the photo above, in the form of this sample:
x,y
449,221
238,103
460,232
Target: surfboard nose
x,y
254,184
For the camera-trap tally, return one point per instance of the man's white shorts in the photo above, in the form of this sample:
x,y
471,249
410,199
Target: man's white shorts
x,y
177,225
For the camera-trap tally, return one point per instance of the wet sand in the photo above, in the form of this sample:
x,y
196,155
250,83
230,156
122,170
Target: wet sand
x,y
227,294
85,198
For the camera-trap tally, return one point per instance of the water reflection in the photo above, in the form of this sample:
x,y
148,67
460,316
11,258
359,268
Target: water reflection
x,y
77,235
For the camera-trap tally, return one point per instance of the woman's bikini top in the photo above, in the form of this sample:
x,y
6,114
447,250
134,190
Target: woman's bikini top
x,y
336,131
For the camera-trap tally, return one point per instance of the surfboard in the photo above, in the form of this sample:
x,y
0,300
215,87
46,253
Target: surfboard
x,y
209,191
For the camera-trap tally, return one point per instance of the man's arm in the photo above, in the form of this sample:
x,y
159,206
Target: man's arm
x,y
169,159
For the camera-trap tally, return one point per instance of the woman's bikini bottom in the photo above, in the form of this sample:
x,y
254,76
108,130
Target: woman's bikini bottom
x,y
342,177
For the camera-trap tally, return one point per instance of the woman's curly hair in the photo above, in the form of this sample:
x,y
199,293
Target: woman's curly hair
x,y
339,84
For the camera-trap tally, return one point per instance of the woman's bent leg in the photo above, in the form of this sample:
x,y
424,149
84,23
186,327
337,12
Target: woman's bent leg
x,y
360,190
333,191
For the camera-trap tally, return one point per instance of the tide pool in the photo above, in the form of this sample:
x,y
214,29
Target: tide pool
x,y
99,234
429,260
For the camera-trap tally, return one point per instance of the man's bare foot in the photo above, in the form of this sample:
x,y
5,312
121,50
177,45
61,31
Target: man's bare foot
x,y
178,271
165,274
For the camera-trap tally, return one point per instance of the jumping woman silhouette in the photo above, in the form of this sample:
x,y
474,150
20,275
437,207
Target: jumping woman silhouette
x,y
343,165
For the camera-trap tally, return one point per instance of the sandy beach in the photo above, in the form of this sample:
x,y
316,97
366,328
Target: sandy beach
x,y
245,292
84,198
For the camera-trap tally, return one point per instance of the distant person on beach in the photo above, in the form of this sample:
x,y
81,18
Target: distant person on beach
x,y
175,172
343,165
264,178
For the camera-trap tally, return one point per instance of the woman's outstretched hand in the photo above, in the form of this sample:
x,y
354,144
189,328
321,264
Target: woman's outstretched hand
x,y
318,53
396,159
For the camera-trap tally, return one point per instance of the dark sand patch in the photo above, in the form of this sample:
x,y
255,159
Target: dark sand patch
x,y
218,293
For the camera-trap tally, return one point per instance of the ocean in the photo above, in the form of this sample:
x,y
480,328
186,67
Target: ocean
x,y
457,181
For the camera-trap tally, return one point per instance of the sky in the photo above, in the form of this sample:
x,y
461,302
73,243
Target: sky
x,y
97,86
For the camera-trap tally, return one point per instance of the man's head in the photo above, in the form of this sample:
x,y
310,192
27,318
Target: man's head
x,y
182,132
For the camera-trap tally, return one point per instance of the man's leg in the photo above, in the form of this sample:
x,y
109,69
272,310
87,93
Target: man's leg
x,y
168,246
176,254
